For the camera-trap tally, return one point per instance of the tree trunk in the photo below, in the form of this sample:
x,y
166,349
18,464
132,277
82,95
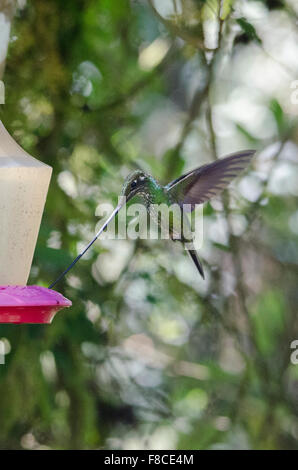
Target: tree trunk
x,y
7,8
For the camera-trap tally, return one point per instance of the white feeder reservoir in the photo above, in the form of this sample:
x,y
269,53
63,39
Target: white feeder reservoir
x,y
24,183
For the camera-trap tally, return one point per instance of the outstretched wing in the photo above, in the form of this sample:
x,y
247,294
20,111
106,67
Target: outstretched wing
x,y
209,180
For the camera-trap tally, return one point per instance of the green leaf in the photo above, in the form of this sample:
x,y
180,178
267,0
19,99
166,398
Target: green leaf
x,y
278,114
248,29
226,8
248,135
222,247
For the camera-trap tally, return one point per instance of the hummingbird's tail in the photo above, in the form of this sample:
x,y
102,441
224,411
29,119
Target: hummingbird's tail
x,y
194,256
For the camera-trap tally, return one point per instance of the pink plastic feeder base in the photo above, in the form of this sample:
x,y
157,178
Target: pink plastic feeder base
x,y
30,304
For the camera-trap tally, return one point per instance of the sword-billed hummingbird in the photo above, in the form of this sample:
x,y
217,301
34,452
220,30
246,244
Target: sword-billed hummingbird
x,y
195,187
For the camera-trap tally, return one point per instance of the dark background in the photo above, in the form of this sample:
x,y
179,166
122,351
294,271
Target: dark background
x,y
150,355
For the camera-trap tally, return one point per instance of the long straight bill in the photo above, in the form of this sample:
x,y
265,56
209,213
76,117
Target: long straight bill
x,y
113,214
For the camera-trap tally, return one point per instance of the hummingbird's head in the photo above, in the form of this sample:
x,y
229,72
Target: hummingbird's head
x,y
135,183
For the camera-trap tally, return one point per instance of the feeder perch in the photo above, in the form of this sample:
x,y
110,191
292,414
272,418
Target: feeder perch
x,y
24,183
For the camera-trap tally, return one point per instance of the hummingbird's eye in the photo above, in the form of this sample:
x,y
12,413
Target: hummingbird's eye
x,y
133,184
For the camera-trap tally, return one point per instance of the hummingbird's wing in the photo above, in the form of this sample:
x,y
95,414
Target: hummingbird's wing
x,y
209,180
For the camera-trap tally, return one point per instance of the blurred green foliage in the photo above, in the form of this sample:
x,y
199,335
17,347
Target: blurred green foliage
x,y
150,356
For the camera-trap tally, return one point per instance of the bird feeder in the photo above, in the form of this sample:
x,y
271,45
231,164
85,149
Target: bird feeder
x,y
24,183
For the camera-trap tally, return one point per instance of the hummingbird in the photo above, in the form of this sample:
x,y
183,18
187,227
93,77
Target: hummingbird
x,y
193,188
